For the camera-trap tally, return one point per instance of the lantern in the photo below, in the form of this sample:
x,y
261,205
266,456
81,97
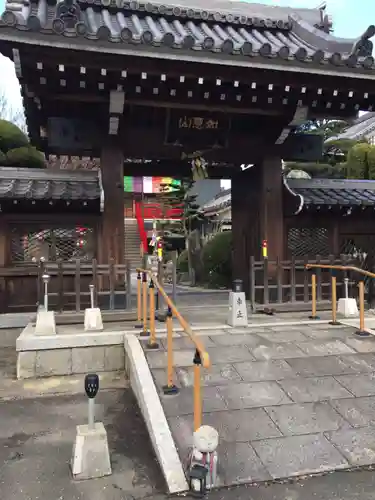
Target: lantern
x,y
197,480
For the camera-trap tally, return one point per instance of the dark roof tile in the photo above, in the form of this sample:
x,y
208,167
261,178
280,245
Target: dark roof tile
x,y
334,192
19,183
237,28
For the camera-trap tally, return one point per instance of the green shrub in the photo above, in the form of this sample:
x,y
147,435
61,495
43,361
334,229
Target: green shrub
x,y
217,260
11,137
26,157
3,159
182,262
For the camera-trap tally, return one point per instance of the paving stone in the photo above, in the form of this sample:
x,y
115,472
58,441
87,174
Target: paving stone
x,y
183,404
328,332
158,359
238,463
325,348
257,371
368,359
284,336
251,331
160,377
277,351
288,328
357,445
216,375
359,412
253,395
230,354
359,385
328,365
186,343
237,340
298,455
308,418
308,390
182,428
242,425
362,345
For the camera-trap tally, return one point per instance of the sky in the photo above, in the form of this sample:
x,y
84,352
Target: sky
x,y
349,21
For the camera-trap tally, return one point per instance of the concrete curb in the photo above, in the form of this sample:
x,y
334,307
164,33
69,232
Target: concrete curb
x,y
145,391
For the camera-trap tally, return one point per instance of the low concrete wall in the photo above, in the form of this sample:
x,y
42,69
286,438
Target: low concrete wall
x,y
46,356
143,386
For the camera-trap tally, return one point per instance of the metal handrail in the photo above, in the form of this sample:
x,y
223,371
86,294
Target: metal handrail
x,y
205,358
341,268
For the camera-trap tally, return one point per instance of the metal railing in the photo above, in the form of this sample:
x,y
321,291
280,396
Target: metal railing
x,y
361,291
147,281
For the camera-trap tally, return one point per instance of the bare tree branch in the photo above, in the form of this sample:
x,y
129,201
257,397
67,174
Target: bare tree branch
x,y
11,112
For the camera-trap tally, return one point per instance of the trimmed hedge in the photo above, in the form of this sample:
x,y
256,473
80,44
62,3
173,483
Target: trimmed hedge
x,y
182,262
217,260
11,137
25,157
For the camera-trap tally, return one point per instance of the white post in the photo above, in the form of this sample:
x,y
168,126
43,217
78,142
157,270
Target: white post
x,y
346,287
91,287
45,278
91,413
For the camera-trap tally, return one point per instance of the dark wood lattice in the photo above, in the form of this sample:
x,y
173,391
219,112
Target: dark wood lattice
x,y
52,244
305,241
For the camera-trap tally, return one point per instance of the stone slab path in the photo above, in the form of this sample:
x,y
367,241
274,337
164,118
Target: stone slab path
x,y
286,400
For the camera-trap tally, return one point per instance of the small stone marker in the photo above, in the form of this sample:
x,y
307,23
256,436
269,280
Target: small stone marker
x,y
90,458
237,314
346,307
93,316
45,319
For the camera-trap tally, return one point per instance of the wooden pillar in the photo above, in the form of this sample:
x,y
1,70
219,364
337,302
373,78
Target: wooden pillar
x,y
257,215
112,237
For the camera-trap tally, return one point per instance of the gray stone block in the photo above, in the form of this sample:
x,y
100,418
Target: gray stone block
x,y
53,362
308,418
360,412
238,463
224,355
281,336
215,375
325,332
230,340
329,365
298,455
357,445
242,425
185,343
88,359
327,348
114,358
258,371
359,385
183,404
308,390
277,351
90,453
26,364
362,345
253,395
158,359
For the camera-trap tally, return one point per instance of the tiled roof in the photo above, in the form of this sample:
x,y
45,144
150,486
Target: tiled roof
x,y
334,192
237,28
362,127
35,184
324,192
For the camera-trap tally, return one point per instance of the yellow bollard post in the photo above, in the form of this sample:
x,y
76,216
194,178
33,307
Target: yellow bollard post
x,y
139,301
144,332
170,388
197,391
334,301
313,297
362,332
152,344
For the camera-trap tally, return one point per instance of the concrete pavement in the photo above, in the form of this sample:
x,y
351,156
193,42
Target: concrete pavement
x,y
286,400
